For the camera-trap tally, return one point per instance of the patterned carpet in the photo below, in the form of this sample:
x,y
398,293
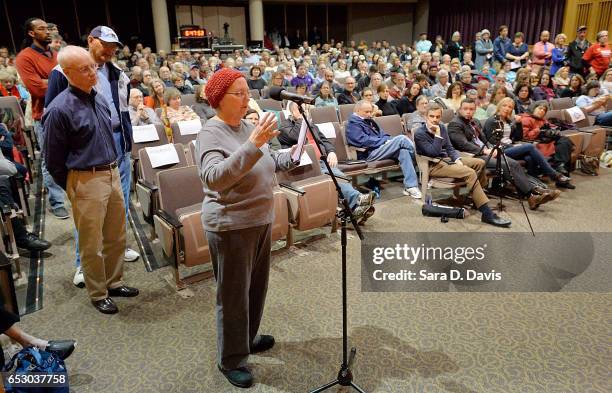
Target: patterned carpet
x,y
406,342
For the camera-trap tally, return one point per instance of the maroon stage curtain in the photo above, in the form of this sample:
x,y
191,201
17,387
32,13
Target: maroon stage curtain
x,y
471,16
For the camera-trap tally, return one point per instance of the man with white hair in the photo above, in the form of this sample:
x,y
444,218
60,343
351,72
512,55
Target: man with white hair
x,y
81,156
365,133
440,88
139,113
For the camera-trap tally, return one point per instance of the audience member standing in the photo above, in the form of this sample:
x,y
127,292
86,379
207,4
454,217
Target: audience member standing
x,y
454,48
542,51
576,50
113,86
484,50
81,155
34,64
597,56
499,46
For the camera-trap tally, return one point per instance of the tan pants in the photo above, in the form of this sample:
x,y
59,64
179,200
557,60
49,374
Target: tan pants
x,y
99,215
467,172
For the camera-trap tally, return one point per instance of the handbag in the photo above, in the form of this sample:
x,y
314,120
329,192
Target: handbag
x,y
33,360
588,165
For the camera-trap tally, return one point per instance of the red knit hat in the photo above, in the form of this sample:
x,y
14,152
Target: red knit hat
x,y
219,83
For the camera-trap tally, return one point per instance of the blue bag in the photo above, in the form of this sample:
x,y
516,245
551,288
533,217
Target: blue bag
x,y
33,360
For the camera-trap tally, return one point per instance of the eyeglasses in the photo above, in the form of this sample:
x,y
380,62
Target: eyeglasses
x,y
241,94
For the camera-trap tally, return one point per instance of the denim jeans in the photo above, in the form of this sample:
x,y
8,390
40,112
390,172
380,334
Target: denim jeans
x,y
351,194
400,148
56,193
604,119
536,161
124,164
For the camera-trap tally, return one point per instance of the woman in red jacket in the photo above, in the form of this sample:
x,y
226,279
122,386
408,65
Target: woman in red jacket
x,y
551,143
598,55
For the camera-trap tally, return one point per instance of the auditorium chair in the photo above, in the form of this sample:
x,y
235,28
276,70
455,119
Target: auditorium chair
x,y
349,166
447,115
594,136
136,147
178,137
147,187
9,243
178,222
345,111
423,163
21,132
188,99
268,104
324,114
391,124
311,195
561,103
254,93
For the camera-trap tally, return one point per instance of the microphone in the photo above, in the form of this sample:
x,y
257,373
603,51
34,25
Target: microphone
x,y
279,94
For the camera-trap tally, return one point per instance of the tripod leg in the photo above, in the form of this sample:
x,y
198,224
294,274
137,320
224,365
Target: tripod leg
x,y
326,386
357,388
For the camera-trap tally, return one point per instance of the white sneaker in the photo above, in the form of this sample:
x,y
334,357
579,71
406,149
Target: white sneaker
x,y
413,192
130,255
78,279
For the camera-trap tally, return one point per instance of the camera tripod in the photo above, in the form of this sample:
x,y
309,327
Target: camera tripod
x,y
499,178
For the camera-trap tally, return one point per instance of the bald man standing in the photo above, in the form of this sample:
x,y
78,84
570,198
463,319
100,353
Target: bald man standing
x,y
81,155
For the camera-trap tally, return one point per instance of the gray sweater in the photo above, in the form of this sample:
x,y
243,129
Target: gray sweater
x,y
238,177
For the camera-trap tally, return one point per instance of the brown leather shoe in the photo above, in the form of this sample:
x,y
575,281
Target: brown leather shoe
x,y
536,200
553,193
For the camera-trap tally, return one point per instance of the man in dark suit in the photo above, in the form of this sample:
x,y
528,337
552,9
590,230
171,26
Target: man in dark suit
x,y
432,141
575,51
466,135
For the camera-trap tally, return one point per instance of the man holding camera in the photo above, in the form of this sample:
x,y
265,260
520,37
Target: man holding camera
x,y
432,141
466,135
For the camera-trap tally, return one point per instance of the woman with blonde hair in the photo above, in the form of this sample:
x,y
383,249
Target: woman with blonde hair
x,y
559,53
561,80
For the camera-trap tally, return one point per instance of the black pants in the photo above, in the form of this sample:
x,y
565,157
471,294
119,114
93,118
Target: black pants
x,y
563,152
513,172
6,198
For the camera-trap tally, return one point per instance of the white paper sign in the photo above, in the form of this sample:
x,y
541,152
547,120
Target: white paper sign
x,y
305,159
515,64
162,155
327,129
146,133
189,127
576,114
300,143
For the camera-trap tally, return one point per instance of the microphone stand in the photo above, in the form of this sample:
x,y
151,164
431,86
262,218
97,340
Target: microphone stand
x,y
345,375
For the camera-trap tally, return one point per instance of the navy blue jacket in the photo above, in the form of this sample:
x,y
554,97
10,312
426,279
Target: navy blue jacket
x,y
78,133
364,133
435,147
499,48
120,87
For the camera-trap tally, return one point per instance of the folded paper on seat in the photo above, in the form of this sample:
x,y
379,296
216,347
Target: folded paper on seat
x,y
162,155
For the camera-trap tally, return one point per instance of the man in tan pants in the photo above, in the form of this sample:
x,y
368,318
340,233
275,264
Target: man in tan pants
x,y
81,156
432,140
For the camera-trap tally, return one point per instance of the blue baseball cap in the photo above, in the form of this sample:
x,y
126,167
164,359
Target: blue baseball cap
x,y
106,34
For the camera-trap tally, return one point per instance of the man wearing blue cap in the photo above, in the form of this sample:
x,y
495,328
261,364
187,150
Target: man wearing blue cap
x,y
113,85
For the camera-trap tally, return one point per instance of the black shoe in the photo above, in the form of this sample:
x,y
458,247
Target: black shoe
x,y
62,348
496,221
368,213
565,184
123,291
262,343
240,377
105,306
33,243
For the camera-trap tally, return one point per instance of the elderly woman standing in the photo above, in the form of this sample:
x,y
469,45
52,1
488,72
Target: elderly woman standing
x,y
237,169
484,50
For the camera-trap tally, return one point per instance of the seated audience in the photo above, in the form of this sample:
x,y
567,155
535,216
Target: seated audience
x,y
575,87
364,133
386,106
348,95
432,141
176,112
329,78
595,104
202,108
325,96
544,91
466,81
561,79
253,116
605,82
302,77
440,89
194,76
417,118
180,85
407,103
555,147
289,133
368,95
156,99
498,93
255,81
397,86
504,120
454,96
522,100
467,136
139,113
166,76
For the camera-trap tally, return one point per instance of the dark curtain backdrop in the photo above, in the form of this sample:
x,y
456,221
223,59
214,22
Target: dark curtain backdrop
x,y
471,16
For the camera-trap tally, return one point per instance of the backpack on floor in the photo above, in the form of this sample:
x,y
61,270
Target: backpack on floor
x,y
31,361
